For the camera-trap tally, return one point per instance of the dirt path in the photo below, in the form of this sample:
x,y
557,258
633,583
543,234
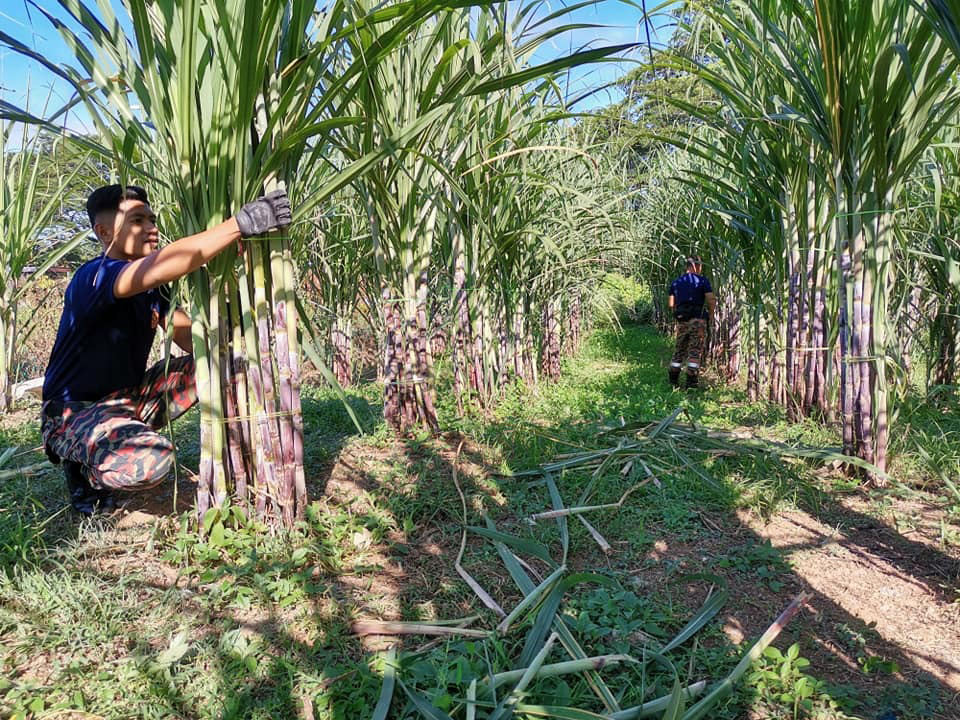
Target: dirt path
x,y
877,593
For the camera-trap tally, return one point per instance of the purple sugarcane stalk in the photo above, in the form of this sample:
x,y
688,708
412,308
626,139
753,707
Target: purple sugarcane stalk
x,y
234,439
285,417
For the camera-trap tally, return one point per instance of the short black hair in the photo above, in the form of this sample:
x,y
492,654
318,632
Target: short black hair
x,y
693,261
108,197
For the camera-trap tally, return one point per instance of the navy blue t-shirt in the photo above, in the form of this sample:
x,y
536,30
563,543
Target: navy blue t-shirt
x,y
690,289
103,342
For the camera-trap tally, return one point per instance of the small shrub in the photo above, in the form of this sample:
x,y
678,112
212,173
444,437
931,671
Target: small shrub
x,y
780,681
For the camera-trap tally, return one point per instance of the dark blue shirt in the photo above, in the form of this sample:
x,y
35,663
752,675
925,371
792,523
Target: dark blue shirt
x,y
690,289
103,342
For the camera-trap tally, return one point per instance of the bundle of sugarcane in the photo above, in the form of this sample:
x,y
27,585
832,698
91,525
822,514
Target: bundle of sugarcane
x,y
212,104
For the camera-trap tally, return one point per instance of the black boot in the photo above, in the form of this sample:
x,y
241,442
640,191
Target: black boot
x,y
693,381
84,498
674,377
106,502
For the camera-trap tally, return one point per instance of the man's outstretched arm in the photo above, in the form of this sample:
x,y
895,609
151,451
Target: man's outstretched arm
x,y
175,260
179,258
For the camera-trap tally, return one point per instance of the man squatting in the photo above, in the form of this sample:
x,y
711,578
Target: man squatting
x,y
692,301
102,407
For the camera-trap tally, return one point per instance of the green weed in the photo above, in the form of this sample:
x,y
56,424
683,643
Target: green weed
x,y
780,680
21,535
239,562
762,560
911,701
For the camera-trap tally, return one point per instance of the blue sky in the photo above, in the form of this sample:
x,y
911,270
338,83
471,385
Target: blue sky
x,y
622,23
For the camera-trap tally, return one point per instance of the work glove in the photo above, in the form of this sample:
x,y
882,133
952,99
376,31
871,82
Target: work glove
x,y
264,214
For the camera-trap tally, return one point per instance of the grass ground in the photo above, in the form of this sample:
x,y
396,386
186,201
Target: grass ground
x,y
138,616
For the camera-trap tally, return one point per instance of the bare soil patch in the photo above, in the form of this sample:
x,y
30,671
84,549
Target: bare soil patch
x,y
885,607
408,573
904,590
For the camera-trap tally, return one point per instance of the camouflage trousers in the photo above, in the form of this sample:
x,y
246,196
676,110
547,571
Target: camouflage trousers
x,y
691,338
116,437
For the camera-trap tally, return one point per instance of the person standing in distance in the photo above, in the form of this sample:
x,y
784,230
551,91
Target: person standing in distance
x,y
692,301
102,407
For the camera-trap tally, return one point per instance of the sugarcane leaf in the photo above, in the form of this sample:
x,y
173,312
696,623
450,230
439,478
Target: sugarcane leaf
x,y
531,599
665,423
567,667
504,708
557,711
724,687
517,573
561,521
396,627
472,700
572,462
548,611
567,639
709,609
427,710
538,71
658,705
676,705
382,707
524,545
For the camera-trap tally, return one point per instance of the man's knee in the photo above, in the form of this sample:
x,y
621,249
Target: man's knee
x,y
135,468
169,390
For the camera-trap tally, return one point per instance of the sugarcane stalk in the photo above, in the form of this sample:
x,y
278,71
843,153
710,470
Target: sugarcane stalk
x,y
6,337
287,490
293,346
341,340
862,292
261,383
233,446
391,363
218,351
879,345
239,436
462,334
424,365
201,351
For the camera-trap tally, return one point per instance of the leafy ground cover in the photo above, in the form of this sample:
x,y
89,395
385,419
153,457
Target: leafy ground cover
x,y
138,615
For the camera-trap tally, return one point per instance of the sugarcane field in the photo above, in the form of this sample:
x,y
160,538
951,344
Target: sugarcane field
x,y
466,360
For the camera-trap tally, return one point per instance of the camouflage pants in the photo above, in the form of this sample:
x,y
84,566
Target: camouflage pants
x,y
691,337
116,438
